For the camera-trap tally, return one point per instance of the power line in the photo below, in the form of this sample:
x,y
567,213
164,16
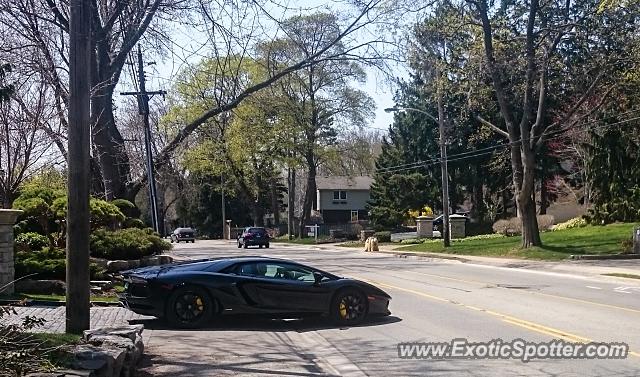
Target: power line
x,y
489,150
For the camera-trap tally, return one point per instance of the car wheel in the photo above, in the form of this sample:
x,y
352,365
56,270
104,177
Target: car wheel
x,y
190,307
239,245
244,244
259,246
267,246
349,307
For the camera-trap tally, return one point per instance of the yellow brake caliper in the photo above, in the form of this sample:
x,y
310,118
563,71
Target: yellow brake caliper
x,y
343,309
199,304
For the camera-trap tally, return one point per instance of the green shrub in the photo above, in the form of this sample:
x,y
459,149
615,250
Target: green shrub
x,y
576,222
383,236
133,223
31,241
126,244
50,263
627,246
127,208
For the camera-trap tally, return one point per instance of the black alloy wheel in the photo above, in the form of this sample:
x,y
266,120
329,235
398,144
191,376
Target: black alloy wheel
x,y
349,307
190,307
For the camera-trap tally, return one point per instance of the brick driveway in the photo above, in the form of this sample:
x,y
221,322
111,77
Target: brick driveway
x,y
55,317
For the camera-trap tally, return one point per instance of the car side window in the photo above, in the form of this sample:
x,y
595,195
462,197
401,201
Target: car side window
x,y
271,270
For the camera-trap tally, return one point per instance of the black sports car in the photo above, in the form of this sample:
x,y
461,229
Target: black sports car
x,y
192,294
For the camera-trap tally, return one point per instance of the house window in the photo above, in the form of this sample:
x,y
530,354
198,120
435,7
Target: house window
x,y
339,196
354,216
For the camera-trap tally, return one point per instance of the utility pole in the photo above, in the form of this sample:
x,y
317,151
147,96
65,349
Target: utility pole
x,y
224,209
446,236
77,310
143,109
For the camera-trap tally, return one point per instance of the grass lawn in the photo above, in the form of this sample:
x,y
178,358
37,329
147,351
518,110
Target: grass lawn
x,y
556,245
299,241
57,357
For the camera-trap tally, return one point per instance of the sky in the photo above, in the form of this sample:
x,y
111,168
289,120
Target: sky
x,y
190,46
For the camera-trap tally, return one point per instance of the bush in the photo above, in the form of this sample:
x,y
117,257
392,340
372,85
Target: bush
x,y
383,236
545,222
126,244
513,226
133,223
50,263
127,208
627,246
576,222
31,241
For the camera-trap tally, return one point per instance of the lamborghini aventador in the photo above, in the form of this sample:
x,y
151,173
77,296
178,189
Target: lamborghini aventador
x,y
193,294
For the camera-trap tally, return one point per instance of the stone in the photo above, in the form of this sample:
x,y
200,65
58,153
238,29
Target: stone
x,y
117,265
105,361
100,262
131,355
457,226
149,261
43,287
424,226
9,216
127,331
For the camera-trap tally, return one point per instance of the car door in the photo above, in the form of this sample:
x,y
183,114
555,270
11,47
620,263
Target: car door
x,y
285,287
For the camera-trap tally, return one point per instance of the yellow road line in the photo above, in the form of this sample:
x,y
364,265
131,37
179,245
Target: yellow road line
x,y
630,310
532,326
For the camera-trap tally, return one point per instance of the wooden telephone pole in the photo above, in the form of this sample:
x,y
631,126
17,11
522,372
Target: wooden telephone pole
x,y
77,312
143,109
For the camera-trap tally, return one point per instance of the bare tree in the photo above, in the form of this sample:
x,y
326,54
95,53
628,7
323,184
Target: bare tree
x,y
25,148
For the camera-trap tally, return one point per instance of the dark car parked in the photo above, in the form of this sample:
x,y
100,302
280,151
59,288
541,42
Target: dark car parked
x,y
254,236
192,294
183,234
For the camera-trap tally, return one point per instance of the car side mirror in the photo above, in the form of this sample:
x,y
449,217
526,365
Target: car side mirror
x,y
317,277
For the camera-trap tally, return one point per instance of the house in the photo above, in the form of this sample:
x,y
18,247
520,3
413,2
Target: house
x,y
342,200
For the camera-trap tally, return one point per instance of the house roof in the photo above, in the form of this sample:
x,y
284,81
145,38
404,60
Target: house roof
x,y
344,183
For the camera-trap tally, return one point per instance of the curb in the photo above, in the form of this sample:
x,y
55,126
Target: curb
x,y
604,257
404,254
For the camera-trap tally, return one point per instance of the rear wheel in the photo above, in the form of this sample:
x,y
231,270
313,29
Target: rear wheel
x,y
349,307
244,244
239,244
267,246
260,246
190,307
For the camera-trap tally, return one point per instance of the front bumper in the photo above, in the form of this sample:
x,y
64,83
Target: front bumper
x,y
379,305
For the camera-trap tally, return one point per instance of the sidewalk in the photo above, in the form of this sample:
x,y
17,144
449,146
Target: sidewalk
x,y
55,317
574,267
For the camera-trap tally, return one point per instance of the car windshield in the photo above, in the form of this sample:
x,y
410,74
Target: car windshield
x,y
259,231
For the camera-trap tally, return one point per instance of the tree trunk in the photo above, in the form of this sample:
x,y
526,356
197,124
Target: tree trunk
x,y
310,191
275,207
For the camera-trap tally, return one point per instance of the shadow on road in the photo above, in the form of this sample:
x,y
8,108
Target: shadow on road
x,y
257,323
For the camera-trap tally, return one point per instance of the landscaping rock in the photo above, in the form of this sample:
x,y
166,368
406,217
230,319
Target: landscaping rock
x,y
42,287
127,331
117,265
104,361
132,355
100,262
127,339
150,261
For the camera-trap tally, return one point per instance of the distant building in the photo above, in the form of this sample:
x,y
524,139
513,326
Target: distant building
x,y
343,200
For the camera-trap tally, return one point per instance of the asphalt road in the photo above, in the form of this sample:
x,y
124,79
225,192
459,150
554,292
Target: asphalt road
x,y
433,301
